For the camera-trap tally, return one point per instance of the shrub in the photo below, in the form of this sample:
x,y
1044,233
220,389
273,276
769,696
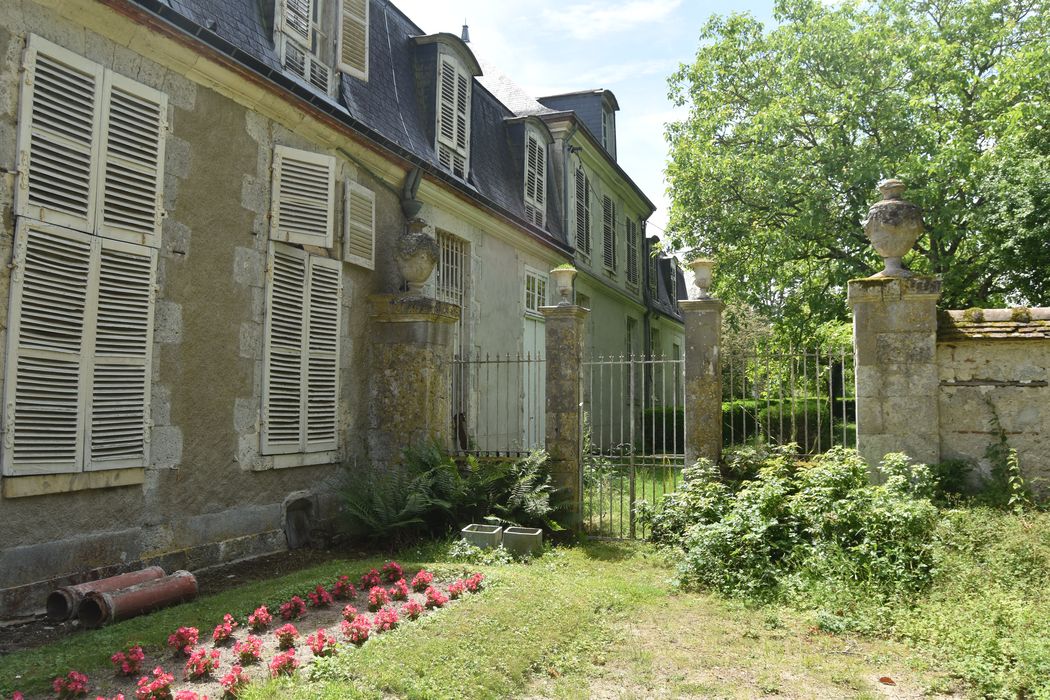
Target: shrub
x,y
786,524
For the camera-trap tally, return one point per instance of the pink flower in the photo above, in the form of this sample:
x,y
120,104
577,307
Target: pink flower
x,y
385,620
377,598
249,650
201,663
435,598
357,631
118,696
73,685
293,609
421,580
344,590
157,689
473,583
184,639
320,598
284,664
286,636
412,610
235,681
349,613
456,588
260,619
128,662
392,571
189,695
18,696
399,591
321,644
225,630
370,579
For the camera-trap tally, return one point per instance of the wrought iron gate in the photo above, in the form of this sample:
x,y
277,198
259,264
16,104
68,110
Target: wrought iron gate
x,y
633,432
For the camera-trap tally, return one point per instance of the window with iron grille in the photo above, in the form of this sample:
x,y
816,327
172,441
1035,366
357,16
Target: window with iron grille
x,y
632,250
609,232
88,206
451,280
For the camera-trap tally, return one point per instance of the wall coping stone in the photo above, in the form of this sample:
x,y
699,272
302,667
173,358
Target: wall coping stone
x,y
889,289
399,308
994,324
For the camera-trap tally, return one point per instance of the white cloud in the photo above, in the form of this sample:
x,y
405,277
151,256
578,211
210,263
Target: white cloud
x,y
589,20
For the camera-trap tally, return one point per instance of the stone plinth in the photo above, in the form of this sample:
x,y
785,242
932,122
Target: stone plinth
x,y
410,397
564,353
703,379
895,342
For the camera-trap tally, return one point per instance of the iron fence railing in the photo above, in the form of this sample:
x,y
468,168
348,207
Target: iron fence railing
x,y
783,396
498,405
633,439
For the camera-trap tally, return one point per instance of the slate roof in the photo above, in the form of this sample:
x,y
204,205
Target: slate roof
x,y
994,324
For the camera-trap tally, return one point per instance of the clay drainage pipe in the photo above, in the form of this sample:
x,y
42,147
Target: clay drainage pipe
x,y
103,607
64,602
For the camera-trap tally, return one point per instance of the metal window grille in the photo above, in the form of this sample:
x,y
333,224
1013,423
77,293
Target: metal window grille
x,y
452,269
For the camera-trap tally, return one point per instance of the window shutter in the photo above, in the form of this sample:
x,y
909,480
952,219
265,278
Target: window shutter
x,y
462,111
447,104
652,272
132,169
535,185
324,300
353,38
609,232
583,212
283,410
453,117
632,250
120,387
359,240
303,187
44,395
295,18
58,136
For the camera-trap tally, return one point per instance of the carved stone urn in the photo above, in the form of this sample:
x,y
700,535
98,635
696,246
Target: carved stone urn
x,y
702,274
563,277
417,254
893,226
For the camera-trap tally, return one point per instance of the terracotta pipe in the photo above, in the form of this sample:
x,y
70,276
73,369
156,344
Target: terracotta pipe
x,y
63,603
103,607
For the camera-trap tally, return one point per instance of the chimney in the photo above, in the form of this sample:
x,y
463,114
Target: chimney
x,y
465,34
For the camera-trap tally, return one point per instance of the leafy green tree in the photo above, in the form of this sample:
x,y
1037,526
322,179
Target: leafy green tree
x,y
790,129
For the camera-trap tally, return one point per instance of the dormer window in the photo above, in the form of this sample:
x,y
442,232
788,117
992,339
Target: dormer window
x,y
535,177
609,131
453,116
301,40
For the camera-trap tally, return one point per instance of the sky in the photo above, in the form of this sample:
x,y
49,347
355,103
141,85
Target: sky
x,y
627,46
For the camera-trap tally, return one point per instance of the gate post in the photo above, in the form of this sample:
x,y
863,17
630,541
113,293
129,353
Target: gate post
x,y
564,438
703,378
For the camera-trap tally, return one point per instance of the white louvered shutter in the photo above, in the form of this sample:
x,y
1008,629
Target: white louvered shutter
x,y
134,124
453,117
285,364
535,180
120,365
632,250
45,396
58,136
303,201
353,38
583,212
295,19
359,241
609,232
323,301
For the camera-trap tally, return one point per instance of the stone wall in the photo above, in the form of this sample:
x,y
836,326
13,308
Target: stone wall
x,y
994,366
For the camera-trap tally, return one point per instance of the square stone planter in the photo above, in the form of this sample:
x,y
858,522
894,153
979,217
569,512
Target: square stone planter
x,y
484,536
523,541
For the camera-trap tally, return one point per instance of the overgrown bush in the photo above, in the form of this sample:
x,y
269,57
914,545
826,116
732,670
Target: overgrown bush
x,y
430,494
784,523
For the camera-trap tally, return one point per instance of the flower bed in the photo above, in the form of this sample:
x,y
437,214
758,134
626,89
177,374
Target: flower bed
x,y
197,667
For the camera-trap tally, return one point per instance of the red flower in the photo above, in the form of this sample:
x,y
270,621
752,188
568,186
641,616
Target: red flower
x,y
435,598
370,579
157,689
293,609
412,610
377,598
73,685
225,630
392,571
349,613
286,636
184,639
473,583
249,650
284,664
128,662
357,631
421,580
385,620
260,619
456,588
320,598
399,591
201,663
344,590
321,644
235,681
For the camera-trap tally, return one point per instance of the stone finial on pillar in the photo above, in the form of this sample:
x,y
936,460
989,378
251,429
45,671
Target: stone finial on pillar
x,y
564,386
895,340
703,368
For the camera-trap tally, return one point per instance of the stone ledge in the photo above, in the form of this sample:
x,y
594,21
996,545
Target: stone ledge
x,y
41,485
889,289
994,324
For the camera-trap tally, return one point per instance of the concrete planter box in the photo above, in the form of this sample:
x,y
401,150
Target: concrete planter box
x,y
484,536
523,541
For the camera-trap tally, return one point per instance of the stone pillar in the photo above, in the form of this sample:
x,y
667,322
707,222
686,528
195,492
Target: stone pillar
x,y
895,347
564,353
410,393
703,379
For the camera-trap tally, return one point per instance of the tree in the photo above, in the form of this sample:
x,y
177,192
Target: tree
x,y
790,129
